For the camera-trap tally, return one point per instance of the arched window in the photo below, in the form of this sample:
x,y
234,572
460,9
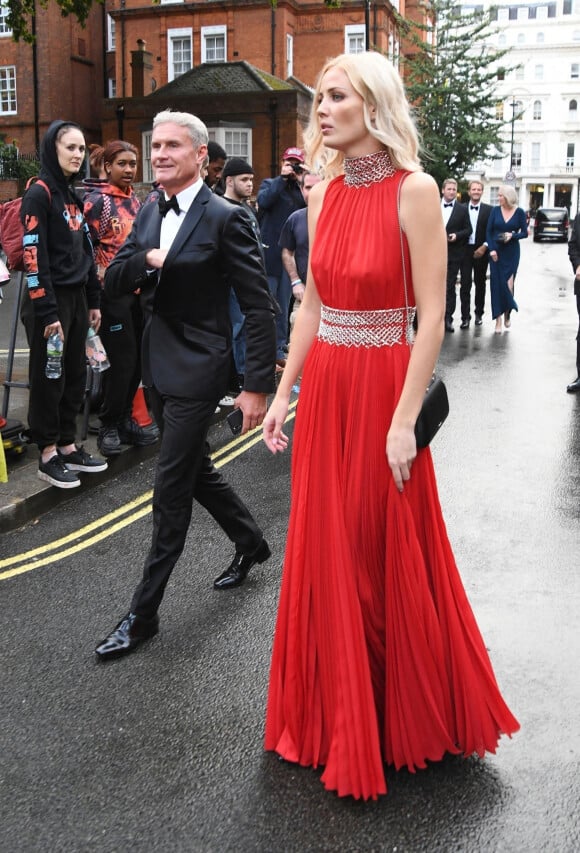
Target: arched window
x,y
573,106
537,110
540,38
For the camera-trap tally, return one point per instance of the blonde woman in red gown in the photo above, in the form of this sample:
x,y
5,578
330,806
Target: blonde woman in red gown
x,y
377,657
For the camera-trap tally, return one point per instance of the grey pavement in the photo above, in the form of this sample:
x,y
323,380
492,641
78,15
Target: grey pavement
x,y
163,751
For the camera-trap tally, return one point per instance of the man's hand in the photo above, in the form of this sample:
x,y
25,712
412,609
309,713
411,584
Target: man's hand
x,y
253,406
479,253
155,258
451,238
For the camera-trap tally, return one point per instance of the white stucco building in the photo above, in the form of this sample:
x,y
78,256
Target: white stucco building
x,y
541,103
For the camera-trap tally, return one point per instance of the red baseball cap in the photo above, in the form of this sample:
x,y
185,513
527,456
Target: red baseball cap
x,y
293,154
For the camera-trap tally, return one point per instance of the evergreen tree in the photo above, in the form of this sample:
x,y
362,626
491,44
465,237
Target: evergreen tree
x,y
451,76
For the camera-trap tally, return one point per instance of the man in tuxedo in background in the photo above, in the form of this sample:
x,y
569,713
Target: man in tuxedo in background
x,y
186,254
458,228
475,258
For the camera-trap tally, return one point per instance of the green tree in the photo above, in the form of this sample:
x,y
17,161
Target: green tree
x,y
451,75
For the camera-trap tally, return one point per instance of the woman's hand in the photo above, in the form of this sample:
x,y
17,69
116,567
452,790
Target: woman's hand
x,y
95,319
507,236
273,436
493,255
53,329
401,452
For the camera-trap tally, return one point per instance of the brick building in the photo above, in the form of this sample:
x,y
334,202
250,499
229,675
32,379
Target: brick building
x,y
134,58
60,76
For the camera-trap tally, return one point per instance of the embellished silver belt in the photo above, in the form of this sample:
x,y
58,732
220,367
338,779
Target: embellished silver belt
x,y
383,328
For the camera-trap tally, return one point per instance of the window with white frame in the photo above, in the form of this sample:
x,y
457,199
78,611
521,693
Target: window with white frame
x,y
502,39
540,38
112,87
520,72
572,108
499,110
214,44
146,158
503,14
570,155
493,195
521,39
354,38
517,155
7,90
518,110
110,33
576,35
5,30
575,71
237,141
542,13
289,55
538,72
522,13
537,111
391,46
179,51
536,155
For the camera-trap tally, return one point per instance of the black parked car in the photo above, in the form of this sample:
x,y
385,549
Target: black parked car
x,y
551,223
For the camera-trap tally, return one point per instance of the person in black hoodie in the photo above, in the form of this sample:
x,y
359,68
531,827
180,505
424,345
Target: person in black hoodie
x,y
65,293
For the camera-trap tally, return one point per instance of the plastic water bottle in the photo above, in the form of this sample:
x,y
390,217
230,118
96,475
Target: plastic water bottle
x,y
96,352
53,369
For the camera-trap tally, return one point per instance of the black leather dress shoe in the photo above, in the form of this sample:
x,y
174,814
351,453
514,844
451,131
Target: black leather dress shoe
x,y
449,326
478,320
130,631
464,324
236,572
574,387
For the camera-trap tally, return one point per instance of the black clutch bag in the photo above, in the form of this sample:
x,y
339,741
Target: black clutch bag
x,y
433,412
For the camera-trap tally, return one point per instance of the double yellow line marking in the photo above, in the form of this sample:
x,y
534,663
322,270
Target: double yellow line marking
x,y
114,521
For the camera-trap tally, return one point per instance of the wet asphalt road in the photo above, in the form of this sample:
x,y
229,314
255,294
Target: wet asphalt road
x,y
163,751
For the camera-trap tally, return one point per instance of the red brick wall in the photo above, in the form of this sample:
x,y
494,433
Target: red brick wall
x,y
70,74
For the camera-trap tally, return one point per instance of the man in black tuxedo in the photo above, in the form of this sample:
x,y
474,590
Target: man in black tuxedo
x,y
574,255
476,258
458,228
186,254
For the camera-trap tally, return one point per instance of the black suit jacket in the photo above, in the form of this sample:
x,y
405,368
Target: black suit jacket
x,y
481,226
574,251
459,224
187,337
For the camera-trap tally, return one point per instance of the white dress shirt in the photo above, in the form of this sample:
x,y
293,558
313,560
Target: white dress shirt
x,y
473,215
446,211
172,221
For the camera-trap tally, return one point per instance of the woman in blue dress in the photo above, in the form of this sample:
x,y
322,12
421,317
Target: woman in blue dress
x,y
507,225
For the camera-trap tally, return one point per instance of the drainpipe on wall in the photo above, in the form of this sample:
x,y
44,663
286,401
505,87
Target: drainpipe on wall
x,y
35,86
123,49
273,41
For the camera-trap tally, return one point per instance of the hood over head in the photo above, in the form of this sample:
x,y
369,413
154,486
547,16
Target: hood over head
x,y
49,166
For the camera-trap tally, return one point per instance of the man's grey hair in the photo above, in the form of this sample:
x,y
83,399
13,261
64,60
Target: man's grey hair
x,y
195,126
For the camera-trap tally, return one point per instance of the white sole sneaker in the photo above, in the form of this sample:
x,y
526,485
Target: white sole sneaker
x,y
60,484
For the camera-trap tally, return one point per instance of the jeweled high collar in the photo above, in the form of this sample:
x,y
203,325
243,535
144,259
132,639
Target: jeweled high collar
x,y
367,170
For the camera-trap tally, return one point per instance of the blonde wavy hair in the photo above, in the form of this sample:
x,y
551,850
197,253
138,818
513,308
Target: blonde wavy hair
x,y
509,194
375,79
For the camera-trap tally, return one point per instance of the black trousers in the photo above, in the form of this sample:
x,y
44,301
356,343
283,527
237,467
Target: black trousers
x,y
121,332
578,335
475,268
55,403
453,265
185,472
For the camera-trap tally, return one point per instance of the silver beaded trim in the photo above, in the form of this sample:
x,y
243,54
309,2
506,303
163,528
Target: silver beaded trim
x,y
383,328
364,171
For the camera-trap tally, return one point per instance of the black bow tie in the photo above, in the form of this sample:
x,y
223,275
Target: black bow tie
x,y
447,204
474,207
165,205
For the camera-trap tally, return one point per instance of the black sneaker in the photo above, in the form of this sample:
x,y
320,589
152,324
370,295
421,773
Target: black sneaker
x,y
80,460
57,474
108,441
131,433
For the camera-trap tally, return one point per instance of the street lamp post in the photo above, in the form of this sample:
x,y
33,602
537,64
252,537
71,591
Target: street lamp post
x,y
510,177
